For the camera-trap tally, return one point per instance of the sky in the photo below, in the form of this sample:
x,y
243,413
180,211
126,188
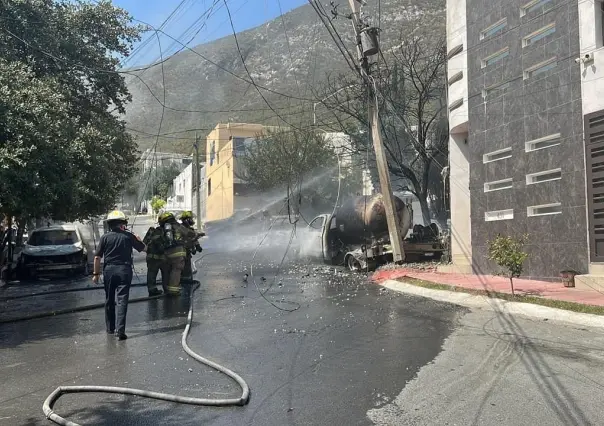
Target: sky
x,y
212,22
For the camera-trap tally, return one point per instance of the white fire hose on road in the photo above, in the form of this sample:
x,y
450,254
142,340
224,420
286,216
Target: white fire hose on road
x,y
221,402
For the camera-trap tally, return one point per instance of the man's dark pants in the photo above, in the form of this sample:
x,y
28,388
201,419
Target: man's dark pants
x,y
117,291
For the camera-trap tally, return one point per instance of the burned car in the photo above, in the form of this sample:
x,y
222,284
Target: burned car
x,y
53,249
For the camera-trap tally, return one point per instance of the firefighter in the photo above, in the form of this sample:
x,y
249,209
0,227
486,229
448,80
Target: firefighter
x,y
156,259
116,248
187,219
176,237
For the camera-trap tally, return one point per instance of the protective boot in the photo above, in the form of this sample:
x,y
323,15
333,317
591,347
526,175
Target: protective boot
x,y
177,265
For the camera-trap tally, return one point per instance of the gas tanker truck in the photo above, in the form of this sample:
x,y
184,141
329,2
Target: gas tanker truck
x,y
356,234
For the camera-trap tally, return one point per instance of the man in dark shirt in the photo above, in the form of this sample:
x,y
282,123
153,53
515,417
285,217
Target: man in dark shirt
x,y
116,248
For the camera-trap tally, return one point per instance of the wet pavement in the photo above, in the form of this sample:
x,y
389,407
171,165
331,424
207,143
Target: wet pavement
x,y
348,348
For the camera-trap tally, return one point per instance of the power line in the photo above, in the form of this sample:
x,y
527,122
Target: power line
x,y
246,68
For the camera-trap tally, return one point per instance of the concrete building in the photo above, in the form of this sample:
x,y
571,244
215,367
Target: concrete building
x,y
523,90
151,160
184,193
227,194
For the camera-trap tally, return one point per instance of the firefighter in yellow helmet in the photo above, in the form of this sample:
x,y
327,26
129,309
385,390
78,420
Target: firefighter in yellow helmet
x,y
176,236
156,260
187,219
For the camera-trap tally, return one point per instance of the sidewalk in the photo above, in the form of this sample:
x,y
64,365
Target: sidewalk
x,y
547,290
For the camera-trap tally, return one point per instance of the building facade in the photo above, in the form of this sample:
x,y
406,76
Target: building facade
x,y
523,98
184,192
227,194
151,159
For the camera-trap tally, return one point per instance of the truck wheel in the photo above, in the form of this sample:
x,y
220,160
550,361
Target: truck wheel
x,y
352,263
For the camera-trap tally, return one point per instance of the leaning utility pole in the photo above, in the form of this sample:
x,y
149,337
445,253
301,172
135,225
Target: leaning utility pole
x,y
368,45
197,184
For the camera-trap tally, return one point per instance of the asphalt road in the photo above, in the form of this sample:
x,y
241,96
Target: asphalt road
x,y
347,348
351,354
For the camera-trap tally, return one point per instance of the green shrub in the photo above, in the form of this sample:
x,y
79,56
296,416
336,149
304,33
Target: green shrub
x,y
508,252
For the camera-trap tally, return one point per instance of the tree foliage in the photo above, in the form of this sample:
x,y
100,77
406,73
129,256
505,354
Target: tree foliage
x,y
157,204
63,152
301,162
154,181
411,91
508,252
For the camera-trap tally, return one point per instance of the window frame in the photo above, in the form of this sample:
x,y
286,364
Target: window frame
x,y
543,32
506,214
500,55
532,6
531,210
529,176
485,159
529,145
500,181
528,73
488,32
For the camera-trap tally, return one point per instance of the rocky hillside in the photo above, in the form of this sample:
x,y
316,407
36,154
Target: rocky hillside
x,y
210,94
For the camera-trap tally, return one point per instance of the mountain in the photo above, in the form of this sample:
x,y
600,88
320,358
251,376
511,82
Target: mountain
x,y
291,62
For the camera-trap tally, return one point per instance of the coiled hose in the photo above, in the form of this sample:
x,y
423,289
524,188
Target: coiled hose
x,y
242,400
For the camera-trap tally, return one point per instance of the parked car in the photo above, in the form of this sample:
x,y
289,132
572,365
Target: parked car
x,y
53,249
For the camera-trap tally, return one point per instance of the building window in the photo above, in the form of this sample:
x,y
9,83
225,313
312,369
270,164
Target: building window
x,y
498,185
501,154
544,210
212,152
546,176
494,91
538,35
209,186
494,29
239,147
542,143
499,215
544,5
495,57
540,68
180,198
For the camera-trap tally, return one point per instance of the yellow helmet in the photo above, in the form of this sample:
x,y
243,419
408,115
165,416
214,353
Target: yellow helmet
x,y
117,215
187,214
164,217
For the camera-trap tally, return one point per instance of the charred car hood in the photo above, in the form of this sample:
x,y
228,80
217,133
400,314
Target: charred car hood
x,y
52,250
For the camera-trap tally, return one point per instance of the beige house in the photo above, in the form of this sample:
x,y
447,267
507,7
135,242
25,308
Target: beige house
x,y
226,193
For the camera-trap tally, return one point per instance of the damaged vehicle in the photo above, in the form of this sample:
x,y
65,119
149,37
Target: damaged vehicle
x,y
51,250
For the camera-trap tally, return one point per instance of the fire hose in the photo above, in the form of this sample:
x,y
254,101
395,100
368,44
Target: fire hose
x,y
220,402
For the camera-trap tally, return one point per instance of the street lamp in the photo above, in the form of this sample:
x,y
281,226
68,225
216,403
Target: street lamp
x,y
314,106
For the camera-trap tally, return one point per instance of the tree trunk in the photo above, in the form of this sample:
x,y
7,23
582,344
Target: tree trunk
x,y
512,285
9,241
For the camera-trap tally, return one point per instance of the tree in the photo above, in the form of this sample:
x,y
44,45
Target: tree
x,y
63,152
301,162
157,204
411,89
508,253
155,181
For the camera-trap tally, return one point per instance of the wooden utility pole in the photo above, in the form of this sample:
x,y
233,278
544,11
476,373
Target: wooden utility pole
x,y
396,239
197,184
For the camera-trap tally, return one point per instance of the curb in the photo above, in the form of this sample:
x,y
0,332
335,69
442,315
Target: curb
x,y
502,306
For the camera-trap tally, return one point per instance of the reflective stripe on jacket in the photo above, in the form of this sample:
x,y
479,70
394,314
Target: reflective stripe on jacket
x,y
152,256
175,252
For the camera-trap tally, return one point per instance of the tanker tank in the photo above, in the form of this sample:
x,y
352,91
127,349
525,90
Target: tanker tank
x,y
362,219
